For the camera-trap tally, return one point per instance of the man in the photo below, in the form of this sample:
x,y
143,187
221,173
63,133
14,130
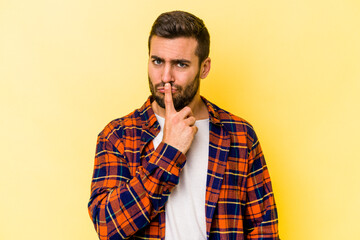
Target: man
x,y
180,167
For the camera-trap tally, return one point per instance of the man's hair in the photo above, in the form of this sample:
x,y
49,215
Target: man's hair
x,y
182,24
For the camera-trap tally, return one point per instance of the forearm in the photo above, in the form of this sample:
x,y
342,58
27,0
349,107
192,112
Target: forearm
x,y
261,220
130,205
264,224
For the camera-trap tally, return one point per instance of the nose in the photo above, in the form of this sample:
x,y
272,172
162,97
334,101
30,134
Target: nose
x,y
167,75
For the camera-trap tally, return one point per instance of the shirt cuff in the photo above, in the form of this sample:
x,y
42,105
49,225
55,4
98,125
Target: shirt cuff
x,y
168,158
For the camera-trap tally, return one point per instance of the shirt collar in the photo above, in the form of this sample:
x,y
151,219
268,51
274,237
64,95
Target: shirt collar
x,y
213,111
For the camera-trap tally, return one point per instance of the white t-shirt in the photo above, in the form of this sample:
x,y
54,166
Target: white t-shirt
x,y
185,208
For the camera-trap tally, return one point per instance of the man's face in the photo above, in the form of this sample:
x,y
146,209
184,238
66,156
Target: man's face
x,y
174,61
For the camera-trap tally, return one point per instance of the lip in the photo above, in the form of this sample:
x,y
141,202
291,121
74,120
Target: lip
x,y
162,90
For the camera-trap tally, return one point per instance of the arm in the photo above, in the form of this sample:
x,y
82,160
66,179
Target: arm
x,y
121,204
261,221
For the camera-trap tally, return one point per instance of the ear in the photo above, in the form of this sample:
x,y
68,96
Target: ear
x,y
205,68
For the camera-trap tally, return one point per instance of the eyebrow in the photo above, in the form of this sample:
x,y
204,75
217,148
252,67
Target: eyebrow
x,y
174,61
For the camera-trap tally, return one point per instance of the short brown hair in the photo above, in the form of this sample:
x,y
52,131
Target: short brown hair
x,y
183,24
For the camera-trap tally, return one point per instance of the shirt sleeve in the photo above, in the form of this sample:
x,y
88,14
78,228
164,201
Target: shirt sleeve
x,y
261,220
121,204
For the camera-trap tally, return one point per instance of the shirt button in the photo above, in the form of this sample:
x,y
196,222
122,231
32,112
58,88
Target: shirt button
x,y
178,165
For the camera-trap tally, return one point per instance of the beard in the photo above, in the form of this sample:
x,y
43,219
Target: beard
x,y
183,95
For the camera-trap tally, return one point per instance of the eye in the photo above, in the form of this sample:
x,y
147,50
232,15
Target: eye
x,y
157,61
182,65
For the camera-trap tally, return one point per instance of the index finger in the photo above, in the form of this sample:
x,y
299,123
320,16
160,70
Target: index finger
x,y
169,104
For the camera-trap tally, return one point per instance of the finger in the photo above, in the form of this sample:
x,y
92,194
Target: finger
x,y
169,105
186,112
195,130
190,121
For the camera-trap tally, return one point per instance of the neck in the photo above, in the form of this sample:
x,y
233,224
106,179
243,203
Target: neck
x,y
198,108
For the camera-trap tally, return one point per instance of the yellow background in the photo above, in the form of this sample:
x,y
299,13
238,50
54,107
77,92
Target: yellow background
x,y
291,68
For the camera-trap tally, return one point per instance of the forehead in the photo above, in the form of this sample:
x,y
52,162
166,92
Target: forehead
x,y
176,48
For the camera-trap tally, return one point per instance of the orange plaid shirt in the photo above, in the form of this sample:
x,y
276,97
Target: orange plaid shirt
x,y
132,182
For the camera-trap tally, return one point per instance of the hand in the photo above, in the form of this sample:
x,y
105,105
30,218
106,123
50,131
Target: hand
x,y
179,129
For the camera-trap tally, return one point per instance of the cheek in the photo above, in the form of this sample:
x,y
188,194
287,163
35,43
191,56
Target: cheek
x,y
187,77
152,75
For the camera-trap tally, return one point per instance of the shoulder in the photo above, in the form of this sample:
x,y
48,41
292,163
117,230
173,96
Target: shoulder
x,y
130,124
117,127
236,126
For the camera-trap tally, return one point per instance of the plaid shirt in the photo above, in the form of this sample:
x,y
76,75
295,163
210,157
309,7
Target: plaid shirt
x,y
132,181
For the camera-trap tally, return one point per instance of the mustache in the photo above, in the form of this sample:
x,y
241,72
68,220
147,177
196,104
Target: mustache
x,y
162,85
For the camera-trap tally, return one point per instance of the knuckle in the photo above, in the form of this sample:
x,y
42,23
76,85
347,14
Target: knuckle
x,y
186,109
